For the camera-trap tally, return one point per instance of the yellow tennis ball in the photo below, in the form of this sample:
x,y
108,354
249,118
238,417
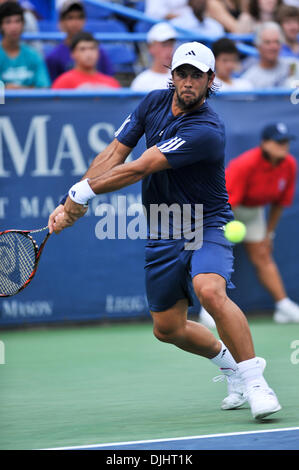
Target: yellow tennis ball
x,y
235,231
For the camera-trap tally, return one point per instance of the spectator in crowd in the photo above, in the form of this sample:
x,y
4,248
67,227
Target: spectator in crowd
x,y
30,21
72,19
259,11
20,65
270,70
85,53
234,7
195,19
165,9
227,61
161,42
288,18
258,177
224,12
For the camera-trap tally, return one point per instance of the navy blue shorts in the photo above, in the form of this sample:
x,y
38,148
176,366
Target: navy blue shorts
x,y
169,268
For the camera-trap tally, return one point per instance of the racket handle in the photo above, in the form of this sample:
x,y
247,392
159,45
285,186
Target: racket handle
x,y
40,230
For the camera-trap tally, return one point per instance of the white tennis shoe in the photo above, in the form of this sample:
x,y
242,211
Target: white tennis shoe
x,y
289,313
262,400
236,390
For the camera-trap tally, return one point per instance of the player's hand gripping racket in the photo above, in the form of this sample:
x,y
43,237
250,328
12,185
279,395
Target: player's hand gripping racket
x,y
19,258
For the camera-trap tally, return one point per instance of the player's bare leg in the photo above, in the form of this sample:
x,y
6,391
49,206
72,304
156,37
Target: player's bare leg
x,y
267,271
172,326
231,323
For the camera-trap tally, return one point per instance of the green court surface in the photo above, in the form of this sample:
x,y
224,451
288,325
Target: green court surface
x,y
90,385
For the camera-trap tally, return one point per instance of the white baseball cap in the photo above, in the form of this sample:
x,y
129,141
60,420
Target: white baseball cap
x,y
161,32
196,54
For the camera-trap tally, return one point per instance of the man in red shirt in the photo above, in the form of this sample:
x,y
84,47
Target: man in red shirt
x,y
85,53
258,177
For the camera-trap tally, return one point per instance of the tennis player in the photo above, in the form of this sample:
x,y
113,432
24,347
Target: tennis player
x,y
183,164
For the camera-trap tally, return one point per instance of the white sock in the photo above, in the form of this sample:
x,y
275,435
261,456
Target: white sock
x,y
251,373
283,303
225,361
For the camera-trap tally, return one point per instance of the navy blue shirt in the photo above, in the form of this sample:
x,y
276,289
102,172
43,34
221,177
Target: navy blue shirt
x,y
193,144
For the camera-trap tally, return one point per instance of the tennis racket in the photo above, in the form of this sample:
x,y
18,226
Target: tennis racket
x,y
19,258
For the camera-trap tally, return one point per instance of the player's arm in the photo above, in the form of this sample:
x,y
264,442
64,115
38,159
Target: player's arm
x,y
273,219
122,175
114,154
151,161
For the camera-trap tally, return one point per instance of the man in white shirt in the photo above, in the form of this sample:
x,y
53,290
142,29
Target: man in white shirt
x,y
271,70
195,19
161,42
165,9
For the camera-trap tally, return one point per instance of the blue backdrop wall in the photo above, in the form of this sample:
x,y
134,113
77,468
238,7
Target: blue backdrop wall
x,y
46,144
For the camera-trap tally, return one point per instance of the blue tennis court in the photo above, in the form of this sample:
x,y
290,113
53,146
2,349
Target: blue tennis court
x,y
275,439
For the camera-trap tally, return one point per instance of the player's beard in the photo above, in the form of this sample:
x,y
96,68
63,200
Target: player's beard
x,y
190,103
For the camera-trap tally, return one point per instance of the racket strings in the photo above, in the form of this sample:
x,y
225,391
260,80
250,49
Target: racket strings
x,y
17,260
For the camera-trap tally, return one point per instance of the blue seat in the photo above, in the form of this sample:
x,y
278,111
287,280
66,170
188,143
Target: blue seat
x,y
123,57
142,27
44,8
48,26
96,12
105,26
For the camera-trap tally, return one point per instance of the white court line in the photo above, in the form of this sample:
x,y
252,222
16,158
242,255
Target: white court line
x,y
173,439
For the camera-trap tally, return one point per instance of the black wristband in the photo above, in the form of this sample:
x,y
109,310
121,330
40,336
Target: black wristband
x,y
63,199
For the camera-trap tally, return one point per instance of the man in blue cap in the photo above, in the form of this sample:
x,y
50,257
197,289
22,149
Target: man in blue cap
x,y
261,176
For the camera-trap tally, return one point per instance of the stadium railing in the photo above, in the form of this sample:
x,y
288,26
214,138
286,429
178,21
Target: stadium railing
x,y
127,92
141,37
